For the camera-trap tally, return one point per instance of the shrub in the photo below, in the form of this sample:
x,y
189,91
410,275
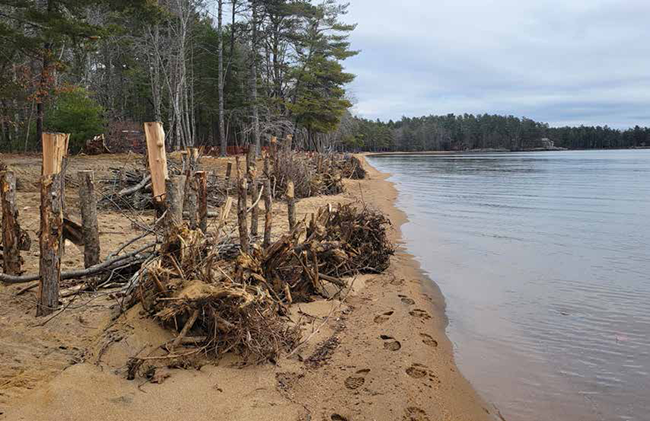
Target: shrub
x,y
77,113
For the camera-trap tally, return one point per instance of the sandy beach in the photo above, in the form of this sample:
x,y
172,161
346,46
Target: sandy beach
x,y
378,352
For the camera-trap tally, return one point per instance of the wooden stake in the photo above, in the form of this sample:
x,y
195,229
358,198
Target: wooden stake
x,y
157,158
241,215
202,183
268,217
174,201
291,205
11,232
90,226
50,242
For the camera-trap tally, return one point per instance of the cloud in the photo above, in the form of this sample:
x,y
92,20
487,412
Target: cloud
x,y
575,62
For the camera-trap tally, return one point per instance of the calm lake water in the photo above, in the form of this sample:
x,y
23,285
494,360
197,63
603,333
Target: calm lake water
x,y
544,261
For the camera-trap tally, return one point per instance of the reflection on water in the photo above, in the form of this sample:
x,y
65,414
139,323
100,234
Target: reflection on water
x,y
544,260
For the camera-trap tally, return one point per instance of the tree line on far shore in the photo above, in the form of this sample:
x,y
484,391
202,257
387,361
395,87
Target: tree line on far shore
x,y
475,132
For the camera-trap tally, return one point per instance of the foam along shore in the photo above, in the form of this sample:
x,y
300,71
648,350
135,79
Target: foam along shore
x,y
378,352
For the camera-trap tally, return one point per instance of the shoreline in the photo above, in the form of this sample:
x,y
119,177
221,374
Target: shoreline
x,y
405,263
378,353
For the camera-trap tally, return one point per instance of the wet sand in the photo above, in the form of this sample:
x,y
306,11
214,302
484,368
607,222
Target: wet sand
x,y
378,353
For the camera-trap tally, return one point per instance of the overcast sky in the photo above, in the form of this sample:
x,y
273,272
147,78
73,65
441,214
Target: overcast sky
x,y
565,62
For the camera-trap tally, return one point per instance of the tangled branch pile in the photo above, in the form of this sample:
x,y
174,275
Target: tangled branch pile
x,y
315,174
238,304
131,188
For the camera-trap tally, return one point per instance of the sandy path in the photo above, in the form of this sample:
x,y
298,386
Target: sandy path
x,y
380,355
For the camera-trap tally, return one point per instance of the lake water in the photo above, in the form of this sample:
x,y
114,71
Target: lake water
x,y
544,261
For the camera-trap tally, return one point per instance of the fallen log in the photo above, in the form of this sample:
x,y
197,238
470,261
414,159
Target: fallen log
x,y
106,266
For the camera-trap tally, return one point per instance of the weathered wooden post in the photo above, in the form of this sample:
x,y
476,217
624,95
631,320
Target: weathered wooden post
x,y
201,178
268,217
157,157
11,232
50,244
89,224
291,205
241,215
174,187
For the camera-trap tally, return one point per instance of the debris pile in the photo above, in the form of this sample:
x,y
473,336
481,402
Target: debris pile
x,y
225,303
315,174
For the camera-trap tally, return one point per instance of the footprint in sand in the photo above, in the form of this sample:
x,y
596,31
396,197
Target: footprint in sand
x,y
421,314
428,340
390,343
417,371
397,282
355,382
406,300
383,318
414,413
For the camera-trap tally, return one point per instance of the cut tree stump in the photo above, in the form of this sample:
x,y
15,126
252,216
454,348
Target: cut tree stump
x,y
89,224
11,232
202,184
241,216
157,158
268,217
291,205
50,243
174,201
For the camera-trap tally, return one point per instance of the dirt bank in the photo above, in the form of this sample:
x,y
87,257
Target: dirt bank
x,y
378,353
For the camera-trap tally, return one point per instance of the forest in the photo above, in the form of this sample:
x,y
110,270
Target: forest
x,y
217,73
484,132
220,74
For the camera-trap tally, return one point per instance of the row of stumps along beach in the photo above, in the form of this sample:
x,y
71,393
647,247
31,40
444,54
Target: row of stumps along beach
x,y
218,290
169,193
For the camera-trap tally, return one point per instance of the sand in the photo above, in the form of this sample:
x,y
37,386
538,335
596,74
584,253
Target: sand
x,y
380,353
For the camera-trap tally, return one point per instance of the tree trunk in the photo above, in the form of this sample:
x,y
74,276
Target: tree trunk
x,y
253,81
50,242
11,232
90,226
222,124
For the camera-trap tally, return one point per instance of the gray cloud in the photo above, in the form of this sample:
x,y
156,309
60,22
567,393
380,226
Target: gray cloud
x,y
564,62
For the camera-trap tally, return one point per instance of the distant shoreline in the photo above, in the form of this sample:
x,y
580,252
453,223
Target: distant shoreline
x,y
477,151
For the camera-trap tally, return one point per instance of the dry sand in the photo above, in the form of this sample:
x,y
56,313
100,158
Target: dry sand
x,y
380,353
